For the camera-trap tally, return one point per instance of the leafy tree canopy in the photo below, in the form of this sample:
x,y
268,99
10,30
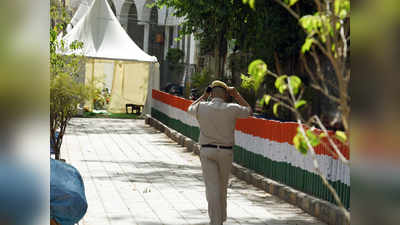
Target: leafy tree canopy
x,y
262,32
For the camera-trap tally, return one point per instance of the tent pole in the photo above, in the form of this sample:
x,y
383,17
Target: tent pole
x,y
92,81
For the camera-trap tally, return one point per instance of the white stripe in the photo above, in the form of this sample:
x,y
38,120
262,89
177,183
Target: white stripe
x,y
175,113
331,168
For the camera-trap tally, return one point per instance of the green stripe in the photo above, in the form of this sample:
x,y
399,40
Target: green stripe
x,y
189,131
295,177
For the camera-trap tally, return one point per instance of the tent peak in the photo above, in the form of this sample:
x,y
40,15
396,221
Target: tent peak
x,y
103,36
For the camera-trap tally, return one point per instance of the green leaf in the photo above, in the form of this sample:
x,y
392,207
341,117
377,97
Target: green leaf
x,y
247,82
295,80
267,98
261,102
252,3
280,81
300,144
275,109
323,38
343,14
322,135
303,148
308,23
307,45
336,6
333,48
338,25
342,8
314,139
300,103
295,83
151,5
257,69
341,136
297,141
283,88
292,2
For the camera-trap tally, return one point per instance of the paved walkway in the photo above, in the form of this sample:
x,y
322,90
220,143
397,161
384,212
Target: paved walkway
x,y
135,175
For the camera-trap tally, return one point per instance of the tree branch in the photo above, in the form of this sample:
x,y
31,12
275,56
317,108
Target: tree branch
x,y
283,104
342,35
326,93
291,11
312,75
316,166
342,158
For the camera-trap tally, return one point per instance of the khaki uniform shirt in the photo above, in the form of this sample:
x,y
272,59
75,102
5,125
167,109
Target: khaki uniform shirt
x,y
217,120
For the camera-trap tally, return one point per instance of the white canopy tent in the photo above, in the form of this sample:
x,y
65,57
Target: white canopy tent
x,y
80,12
125,69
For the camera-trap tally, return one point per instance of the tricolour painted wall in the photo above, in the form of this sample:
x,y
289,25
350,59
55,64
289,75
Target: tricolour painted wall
x,y
266,147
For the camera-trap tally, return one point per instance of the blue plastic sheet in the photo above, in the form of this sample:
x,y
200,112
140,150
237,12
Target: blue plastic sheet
x,y
68,202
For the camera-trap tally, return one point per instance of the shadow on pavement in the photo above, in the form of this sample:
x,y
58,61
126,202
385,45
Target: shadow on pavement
x,y
154,172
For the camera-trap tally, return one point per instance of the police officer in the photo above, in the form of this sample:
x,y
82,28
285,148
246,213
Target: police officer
x,y
217,120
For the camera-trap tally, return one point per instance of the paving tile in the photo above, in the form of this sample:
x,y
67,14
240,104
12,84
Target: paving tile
x,y
134,174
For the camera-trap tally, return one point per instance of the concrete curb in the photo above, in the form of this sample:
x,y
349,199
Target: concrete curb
x,y
325,211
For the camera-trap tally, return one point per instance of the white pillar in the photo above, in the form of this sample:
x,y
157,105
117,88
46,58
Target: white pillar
x,y
181,43
175,36
192,49
196,52
166,41
187,48
146,37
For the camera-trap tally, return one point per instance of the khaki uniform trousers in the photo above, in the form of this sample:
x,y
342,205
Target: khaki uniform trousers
x,y
216,165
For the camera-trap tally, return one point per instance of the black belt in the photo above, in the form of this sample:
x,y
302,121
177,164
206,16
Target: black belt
x,y
216,146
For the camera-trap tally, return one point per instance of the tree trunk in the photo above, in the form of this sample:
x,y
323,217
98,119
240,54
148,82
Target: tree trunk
x,y
57,155
216,62
223,53
220,56
277,63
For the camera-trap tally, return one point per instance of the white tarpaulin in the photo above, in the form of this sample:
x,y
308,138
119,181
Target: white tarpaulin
x,y
114,57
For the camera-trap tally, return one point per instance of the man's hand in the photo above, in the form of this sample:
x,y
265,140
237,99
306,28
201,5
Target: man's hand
x,y
232,91
236,95
206,94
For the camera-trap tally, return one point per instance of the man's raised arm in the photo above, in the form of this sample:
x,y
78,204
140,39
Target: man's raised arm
x,y
240,100
192,110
